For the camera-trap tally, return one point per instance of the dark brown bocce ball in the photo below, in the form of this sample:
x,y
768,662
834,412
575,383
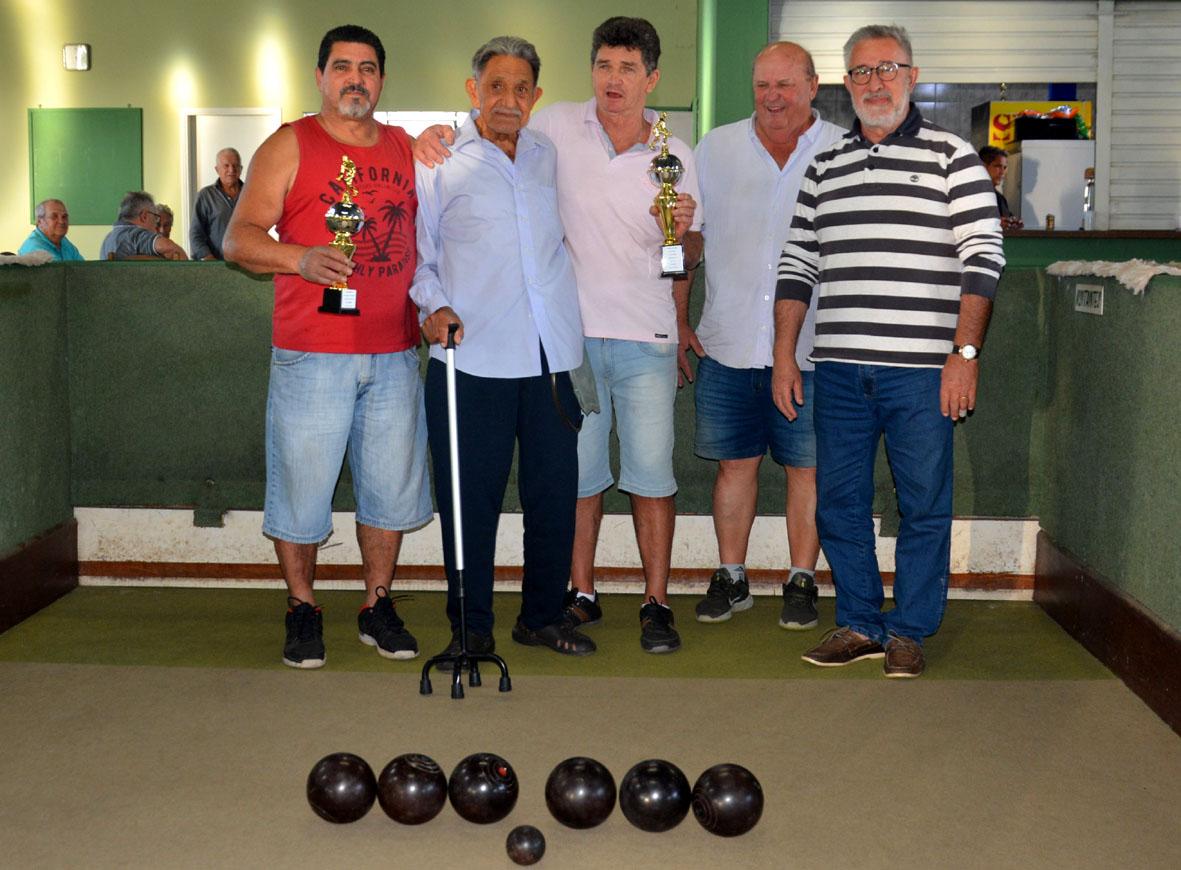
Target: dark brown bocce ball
x,y
654,795
483,788
580,792
341,787
727,800
412,789
525,844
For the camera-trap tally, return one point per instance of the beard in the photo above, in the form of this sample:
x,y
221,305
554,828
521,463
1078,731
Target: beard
x,y
355,109
882,115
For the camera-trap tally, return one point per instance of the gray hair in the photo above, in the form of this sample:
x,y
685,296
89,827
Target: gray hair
x,y
165,210
39,212
895,32
233,151
512,46
134,202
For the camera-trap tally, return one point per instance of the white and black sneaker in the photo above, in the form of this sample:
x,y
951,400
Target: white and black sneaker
x,y
304,647
381,627
799,602
724,597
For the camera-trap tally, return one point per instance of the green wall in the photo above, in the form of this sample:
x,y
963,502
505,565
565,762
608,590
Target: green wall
x,y
162,401
34,404
167,56
1113,445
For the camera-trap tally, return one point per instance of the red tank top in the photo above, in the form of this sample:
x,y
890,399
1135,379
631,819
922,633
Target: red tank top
x,y
385,258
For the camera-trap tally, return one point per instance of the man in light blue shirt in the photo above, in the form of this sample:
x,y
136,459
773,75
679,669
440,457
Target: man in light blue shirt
x,y
492,260
53,222
750,173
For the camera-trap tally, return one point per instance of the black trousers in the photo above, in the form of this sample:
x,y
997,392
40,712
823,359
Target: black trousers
x,y
538,415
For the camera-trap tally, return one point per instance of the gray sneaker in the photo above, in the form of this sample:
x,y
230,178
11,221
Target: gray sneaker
x,y
724,597
799,603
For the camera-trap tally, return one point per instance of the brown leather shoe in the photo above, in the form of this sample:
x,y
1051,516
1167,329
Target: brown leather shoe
x,y
843,646
904,658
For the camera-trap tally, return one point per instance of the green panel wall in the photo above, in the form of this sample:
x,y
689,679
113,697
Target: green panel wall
x,y
168,377
168,373
1113,445
34,403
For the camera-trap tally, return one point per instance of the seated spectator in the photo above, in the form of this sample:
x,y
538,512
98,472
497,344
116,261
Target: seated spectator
x,y
53,222
137,232
996,161
214,207
166,220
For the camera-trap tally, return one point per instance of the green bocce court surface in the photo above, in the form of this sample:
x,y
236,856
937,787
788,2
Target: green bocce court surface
x,y
156,728
217,628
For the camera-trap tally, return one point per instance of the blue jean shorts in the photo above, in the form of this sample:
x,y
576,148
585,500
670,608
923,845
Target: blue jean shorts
x,y
318,405
637,380
737,417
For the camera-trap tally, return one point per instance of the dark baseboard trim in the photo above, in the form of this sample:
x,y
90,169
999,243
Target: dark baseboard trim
x,y
759,577
38,573
1115,628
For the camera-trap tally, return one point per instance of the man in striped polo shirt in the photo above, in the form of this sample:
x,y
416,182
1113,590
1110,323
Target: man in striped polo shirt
x,y
898,226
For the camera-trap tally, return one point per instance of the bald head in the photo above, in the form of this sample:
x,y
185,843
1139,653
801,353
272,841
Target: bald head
x,y
785,83
790,51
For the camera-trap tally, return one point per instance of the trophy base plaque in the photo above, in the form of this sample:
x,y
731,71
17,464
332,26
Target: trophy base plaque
x,y
672,261
339,301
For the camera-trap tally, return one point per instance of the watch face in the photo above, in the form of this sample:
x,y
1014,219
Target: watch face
x,y
969,352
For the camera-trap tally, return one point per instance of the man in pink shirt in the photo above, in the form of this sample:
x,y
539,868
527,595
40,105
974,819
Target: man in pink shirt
x,y
628,311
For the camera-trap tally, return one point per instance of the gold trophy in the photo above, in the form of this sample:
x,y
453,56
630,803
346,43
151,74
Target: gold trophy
x,y
666,170
343,218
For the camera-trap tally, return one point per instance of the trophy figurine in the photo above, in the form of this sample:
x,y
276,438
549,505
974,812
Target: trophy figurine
x,y
343,218
666,170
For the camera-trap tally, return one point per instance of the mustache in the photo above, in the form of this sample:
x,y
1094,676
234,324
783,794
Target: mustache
x,y
355,89
515,113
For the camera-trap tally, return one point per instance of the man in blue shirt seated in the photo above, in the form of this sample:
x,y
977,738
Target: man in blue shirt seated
x,y
137,232
53,222
492,260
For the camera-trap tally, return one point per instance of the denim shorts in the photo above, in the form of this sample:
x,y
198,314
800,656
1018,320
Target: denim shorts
x,y
737,417
318,405
638,381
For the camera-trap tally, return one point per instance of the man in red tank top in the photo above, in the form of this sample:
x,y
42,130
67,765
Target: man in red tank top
x,y
346,379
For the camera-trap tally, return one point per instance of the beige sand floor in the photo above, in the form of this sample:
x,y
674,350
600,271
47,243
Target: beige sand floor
x,y
108,766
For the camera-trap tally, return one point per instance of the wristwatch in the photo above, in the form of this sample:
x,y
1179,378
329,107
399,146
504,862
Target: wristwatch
x,y
968,351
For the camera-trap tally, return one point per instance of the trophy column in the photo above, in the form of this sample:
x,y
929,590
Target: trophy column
x,y
343,218
665,171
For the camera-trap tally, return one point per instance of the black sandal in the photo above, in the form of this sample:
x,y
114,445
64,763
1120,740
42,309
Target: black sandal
x,y
558,636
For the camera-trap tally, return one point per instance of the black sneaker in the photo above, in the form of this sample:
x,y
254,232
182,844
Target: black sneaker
x,y
799,603
559,636
578,611
304,647
476,643
724,597
657,634
380,626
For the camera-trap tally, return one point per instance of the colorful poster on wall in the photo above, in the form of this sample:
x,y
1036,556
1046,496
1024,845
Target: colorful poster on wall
x,y
1002,114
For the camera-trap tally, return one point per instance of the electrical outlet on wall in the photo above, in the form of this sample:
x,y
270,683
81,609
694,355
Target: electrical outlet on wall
x,y
1088,298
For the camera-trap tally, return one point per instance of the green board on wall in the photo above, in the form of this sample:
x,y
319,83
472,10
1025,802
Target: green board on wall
x,y
88,158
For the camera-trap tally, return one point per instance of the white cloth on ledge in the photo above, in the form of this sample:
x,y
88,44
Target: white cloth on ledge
x,y
33,258
1133,274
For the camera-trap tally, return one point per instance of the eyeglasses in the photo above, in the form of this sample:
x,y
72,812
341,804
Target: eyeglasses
x,y
887,71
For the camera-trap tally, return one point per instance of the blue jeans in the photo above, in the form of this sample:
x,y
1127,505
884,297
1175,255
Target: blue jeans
x,y
319,404
737,418
855,406
638,380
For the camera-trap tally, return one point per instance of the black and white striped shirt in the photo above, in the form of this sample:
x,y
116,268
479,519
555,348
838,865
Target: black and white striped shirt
x,y
892,233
